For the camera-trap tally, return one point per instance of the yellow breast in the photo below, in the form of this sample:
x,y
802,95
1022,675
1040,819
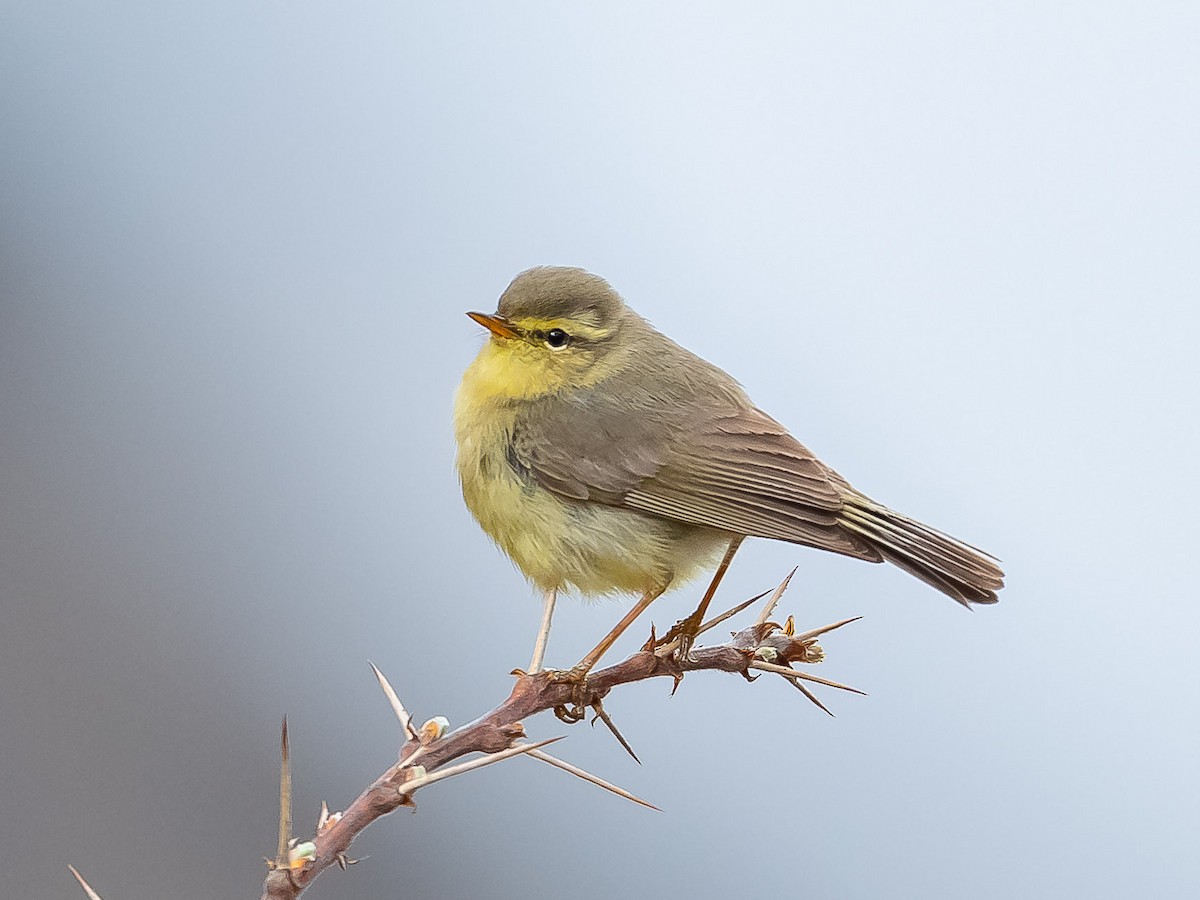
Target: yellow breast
x,y
555,541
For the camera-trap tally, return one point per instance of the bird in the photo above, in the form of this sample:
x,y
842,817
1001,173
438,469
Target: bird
x,y
604,458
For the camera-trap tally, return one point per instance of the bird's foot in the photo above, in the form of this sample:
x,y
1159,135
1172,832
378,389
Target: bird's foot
x,y
683,634
576,676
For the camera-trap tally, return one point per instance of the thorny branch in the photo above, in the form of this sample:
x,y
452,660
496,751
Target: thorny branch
x,y
428,752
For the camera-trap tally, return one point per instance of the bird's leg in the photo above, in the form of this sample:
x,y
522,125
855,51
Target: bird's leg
x,y
539,647
577,674
593,657
685,630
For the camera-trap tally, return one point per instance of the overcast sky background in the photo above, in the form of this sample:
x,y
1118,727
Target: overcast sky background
x,y
952,246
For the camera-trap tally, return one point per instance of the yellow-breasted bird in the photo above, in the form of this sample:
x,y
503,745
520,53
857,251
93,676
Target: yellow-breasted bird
x,y
602,456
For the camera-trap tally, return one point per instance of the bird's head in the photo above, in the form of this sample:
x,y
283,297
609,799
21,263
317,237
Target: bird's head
x,y
554,329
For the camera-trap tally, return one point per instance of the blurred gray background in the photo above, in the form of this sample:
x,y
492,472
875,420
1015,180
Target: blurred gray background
x,y
953,246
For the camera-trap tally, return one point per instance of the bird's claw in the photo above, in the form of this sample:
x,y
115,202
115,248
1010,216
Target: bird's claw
x,y
577,678
684,632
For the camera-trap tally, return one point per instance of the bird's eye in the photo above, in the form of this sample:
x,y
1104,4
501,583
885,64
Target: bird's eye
x,y
556,339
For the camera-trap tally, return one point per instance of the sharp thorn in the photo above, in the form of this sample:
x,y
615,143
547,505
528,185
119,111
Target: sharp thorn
x,y
824,629
87,888
285,797
648,647
604,717
729,613
775,597
804,676
589,777
806,692
397,707
677,677
440,774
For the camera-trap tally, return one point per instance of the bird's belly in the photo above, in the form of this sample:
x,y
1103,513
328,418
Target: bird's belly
x,y
562,543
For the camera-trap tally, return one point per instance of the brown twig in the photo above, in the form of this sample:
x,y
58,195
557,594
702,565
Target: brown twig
x,y
499,734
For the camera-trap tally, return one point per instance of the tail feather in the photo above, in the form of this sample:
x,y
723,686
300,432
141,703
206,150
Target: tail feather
x,y
963,572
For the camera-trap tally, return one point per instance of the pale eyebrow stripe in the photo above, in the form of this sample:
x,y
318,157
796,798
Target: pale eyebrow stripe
x,y
577,328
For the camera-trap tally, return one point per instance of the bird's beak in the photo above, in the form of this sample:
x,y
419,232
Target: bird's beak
x,y
497,325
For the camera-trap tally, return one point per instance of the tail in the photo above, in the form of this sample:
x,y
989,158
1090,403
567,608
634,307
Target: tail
x,y
958,570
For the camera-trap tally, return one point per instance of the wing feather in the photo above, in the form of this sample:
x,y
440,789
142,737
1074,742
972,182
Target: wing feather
x,y
736,470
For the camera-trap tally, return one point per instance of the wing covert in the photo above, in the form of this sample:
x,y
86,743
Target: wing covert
x,y
735,469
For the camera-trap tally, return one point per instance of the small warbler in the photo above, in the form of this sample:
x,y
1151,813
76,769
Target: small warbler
x,y
602,456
